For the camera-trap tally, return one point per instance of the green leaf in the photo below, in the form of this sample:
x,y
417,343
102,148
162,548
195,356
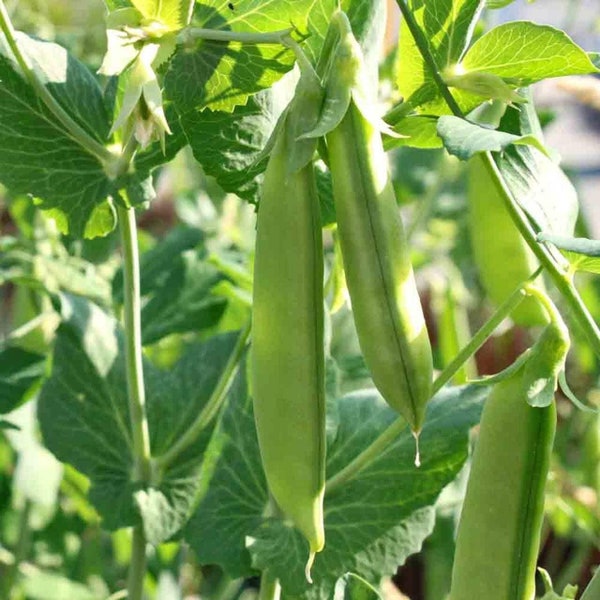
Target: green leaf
x,y
37,156
419,131
582,253
185,302
541,189
177,284
464,139
221,75
155,265
173,13
447,25
229,144
353,587
525,52
84,417
20,370
371,527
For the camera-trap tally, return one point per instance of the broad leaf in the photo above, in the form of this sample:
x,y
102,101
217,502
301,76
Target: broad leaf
x,y
84,417
353,587
582,253
525,52
221,75
173,13
177,286
37,155
447,25
229,145
371,525
464,139
541,189
417,131
19,371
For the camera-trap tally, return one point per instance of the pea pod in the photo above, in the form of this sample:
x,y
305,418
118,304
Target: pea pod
x,y
502,256
499,530
385,302
287,331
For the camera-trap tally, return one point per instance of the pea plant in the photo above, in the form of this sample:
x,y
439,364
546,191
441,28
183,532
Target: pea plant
x,y
285,406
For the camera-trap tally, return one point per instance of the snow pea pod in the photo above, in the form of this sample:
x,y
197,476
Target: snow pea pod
x,y
386,306
499,530
287,332
502,256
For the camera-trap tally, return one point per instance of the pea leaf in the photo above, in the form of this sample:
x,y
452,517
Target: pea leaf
x,y
582,253
541,188
221,75
84,417
526,52
419,131
229,141
464,139
353,587
228,145
173,13
447,25
370,526
177,285
37,155
19,371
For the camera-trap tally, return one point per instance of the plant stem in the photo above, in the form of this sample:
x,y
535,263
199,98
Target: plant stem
x,y
137,567
561,279
269,588
135,387
243,37
210,409
133,344
375,450
481,336
24,329
423,47
74,130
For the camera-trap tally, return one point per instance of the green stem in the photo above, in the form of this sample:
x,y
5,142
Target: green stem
x,y
75,131
135,387
24,329
592,591
503,311
269,588
561,280
375,450
243,37
133,345
210,409
423,47
137,566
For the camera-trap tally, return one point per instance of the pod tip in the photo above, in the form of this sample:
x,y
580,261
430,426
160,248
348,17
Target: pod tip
x,y
308,567
416,435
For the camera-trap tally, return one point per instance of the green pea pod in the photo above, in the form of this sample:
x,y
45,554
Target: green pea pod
x,y
499,530
385,302
287,332
502,256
